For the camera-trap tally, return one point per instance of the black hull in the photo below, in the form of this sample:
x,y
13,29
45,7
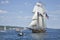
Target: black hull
x,y
38,31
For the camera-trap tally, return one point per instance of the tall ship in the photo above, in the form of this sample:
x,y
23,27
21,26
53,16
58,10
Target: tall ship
x,y
38,20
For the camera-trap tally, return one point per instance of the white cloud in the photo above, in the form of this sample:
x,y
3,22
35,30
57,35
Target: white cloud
x,y
3,11
5,2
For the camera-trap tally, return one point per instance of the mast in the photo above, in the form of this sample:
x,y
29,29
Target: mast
x,y
37,20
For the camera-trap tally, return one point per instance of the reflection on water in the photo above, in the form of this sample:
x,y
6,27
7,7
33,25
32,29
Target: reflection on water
x,y
50,34
38,36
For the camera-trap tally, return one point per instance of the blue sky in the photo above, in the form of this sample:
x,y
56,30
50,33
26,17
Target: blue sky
x,y
19,12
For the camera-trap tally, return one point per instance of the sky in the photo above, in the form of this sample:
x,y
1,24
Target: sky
x,y
19,12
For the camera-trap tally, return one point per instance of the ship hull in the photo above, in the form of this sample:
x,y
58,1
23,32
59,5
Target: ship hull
x,y
38,31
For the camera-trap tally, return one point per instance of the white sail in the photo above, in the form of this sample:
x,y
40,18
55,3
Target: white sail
x,y
35,16
38,20
33,23
38,8
35,20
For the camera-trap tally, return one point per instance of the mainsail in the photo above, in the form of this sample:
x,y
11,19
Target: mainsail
x,y
38,20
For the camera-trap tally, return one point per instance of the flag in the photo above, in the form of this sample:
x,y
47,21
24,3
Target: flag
x,y
47,16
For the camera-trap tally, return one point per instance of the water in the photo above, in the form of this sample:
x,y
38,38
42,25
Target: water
x,y
50,34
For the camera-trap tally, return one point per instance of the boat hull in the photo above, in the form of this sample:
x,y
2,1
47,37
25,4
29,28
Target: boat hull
x,y
38,31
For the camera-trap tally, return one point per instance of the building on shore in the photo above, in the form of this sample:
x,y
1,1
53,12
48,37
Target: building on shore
x,y
11,28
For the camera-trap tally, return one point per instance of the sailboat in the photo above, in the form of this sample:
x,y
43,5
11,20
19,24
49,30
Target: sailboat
x,y
38,20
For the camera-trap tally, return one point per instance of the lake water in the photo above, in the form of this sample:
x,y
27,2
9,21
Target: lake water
x,y
50,34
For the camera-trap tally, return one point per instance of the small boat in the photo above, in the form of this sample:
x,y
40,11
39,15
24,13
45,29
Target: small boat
x,y
20,34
